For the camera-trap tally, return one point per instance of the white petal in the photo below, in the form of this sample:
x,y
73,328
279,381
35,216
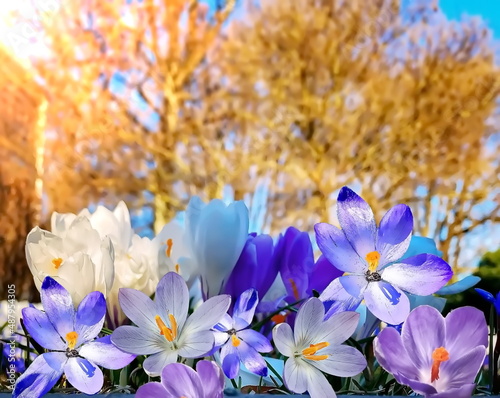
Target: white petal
x,y
338,328
207,315
343,361
296,375
308,321
283,339
318,386
154,364
196,344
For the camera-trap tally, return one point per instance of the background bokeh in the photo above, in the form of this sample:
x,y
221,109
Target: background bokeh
x,y
278,103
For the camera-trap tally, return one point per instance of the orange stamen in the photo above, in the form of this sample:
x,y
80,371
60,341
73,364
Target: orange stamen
x,y
279,318
170,243
316,357
313,349
372,259
169,333
57,262
177,268
438,355
235,340
72,338
294,289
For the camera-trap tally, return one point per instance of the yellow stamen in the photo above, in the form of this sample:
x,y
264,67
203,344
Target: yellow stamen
x,y
71,339
235,340
57,262
294,289
177,268
438,355
169,333
169,243
372,259
314,348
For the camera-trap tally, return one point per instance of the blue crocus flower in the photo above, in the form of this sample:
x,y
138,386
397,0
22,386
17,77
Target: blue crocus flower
x,y
239,343
71,338
489,297
256,268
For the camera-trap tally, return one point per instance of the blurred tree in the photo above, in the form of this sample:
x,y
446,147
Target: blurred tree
x,y
285,103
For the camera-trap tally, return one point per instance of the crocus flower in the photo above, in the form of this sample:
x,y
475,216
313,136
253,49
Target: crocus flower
x,y
239,343
257,267
495,300
315,346
163,331
371,257
435,356
179,380
216,235
71,338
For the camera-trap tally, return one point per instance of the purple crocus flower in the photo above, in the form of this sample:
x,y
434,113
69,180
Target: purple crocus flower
x,y
239,343
70,335
179,380
371,257
437,357
256,267
492,299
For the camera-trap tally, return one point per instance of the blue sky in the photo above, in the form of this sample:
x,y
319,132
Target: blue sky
x,y
489,10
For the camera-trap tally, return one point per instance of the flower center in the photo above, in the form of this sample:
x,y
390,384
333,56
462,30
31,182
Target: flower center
x,y
310,352
372,259
438,355
71,339
295,290
235,340
57,262
169,243
169,333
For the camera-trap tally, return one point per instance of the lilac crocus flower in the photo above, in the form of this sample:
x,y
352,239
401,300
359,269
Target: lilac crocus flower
x,y
437,357
179,380
164,331
371,257
315,346
256,268
70,335
239,343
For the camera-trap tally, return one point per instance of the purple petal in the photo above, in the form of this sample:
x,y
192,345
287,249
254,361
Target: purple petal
x,y
464,391
394,234
422,333
336,248
309,318
357,221
152,390
58,306
154,364
387,302
230,360
104,353
464,369
255,340
418,386
392,355
138,307
252,360
486,295
336,299
137,341
220,338
355,285
211,377
225,324
41,329
421,275
84,375
343,361
245,305
466,329
323,274
90,316
40,376
172,295
182,381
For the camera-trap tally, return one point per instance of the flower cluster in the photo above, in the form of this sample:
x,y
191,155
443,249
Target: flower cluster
x,y
207,305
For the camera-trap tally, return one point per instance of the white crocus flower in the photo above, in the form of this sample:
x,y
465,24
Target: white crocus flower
x,y
315,347
77,258
164,331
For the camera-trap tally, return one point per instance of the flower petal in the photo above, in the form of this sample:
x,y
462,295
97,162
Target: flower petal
x,y
152,390
336,248
309,318
40,376
90,316
245,305
104,353
422,275
41,329
387,302
460,286
466,329
138,307
318,386
172,295
137,341
355,285
255,340
464,369
338,328
357,221
58,306
208,314
418,386
182,381
343,361
394,234
295,375
419,245
323,274
230,359
211,377
422,333
283,339
252,360
392,355
464,391
84,375
154,364
197,344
